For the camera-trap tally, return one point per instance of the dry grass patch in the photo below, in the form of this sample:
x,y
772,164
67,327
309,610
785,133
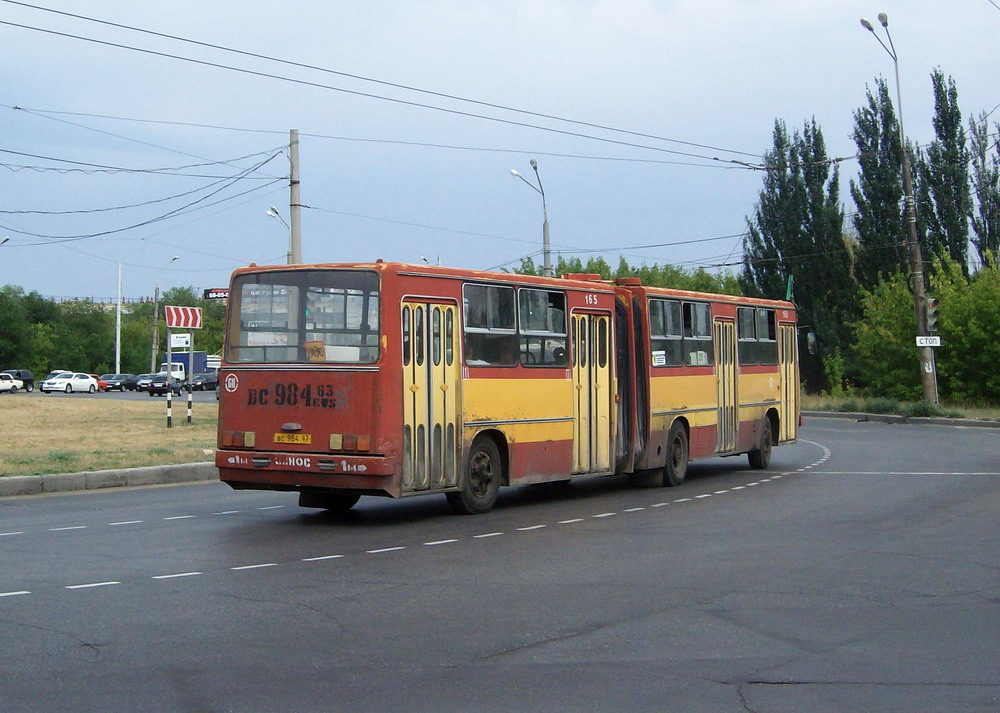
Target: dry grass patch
x,y
43,435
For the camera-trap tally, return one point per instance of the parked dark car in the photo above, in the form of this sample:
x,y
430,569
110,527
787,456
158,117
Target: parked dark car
x,y
160,384
205,381
120,382
142,381
24,376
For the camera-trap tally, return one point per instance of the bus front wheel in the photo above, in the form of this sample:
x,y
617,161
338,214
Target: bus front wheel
x,y
480,482
760,457
677,456
334,502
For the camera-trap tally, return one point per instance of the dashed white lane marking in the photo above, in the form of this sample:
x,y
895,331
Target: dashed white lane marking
x,y
92,585
385,549
439,542
704,495
488,534
570,522
125,522
179,517
226,512
530,527
659,505
605,514
683,500
254,566
271,507
63,529
14,594
175,576
720,492
10,534
634,509
321,558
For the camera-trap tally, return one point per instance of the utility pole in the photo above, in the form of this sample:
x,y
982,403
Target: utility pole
x,y
928,371
294,202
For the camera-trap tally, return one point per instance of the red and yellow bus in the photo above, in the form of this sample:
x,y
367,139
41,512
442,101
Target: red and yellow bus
x,y
342,380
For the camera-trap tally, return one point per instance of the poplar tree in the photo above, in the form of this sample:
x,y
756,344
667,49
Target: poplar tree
x,y
944,203
797,232
878,192
986,185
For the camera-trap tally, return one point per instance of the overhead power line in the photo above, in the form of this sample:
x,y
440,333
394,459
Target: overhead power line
x,y
394,85
403,102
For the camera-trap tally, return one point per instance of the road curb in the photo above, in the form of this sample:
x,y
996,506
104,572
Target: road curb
x,y
101,479
895,418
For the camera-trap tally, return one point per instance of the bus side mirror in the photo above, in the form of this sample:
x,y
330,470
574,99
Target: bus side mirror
x,y
811,343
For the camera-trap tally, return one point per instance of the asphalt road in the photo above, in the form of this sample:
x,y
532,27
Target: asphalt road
x,y
860,573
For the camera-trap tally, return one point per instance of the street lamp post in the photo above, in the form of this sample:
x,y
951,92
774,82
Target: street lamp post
x,y
546,252
928,372
273,212
156,317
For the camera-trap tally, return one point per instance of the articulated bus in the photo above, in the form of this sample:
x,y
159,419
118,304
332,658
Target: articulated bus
x,y
342,380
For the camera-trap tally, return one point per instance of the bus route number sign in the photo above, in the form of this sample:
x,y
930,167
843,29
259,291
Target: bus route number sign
x,y
928,341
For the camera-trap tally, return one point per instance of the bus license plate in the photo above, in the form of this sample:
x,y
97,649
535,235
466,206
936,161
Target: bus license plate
x,y
303,438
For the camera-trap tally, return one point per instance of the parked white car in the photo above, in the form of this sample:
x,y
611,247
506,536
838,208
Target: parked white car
x,y
9,384
69,382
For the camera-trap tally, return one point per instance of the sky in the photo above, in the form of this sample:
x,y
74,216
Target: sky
x,y
123,148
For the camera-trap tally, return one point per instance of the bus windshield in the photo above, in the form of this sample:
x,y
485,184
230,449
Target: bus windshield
x,y
298,316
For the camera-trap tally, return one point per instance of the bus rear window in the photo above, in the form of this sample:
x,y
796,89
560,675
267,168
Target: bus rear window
x,y
297,316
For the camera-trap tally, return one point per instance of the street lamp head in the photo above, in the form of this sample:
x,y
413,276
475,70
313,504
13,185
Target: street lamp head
x,y
534,164
175,257
514,172
4,240
867,25
884,19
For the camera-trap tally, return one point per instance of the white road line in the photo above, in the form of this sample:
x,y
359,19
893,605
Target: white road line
x,y
10,534
605,514
440,542
63,529
739,487
125,522
384,549
634,509
720,492
765,480
749,485
570,522
659,505
226,512
699,497
323,557
682,500
271,507
14,594
175,576
254,566
531,527
488,534
179,517
89,586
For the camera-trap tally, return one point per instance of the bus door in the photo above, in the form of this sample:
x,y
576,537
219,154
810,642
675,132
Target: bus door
x,y
788,345
592,393
431,378
726,383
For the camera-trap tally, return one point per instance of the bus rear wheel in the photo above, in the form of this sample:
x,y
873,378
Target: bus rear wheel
x,y
677,456
480,482
334,502
760,457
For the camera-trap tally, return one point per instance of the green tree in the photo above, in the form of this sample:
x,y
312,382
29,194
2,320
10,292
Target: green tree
x,y
986,184
885,357
796,233
878,192
84,337
15,324
945,203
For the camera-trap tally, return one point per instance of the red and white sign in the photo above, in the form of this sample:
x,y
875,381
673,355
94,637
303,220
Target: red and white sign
x,y
184,317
